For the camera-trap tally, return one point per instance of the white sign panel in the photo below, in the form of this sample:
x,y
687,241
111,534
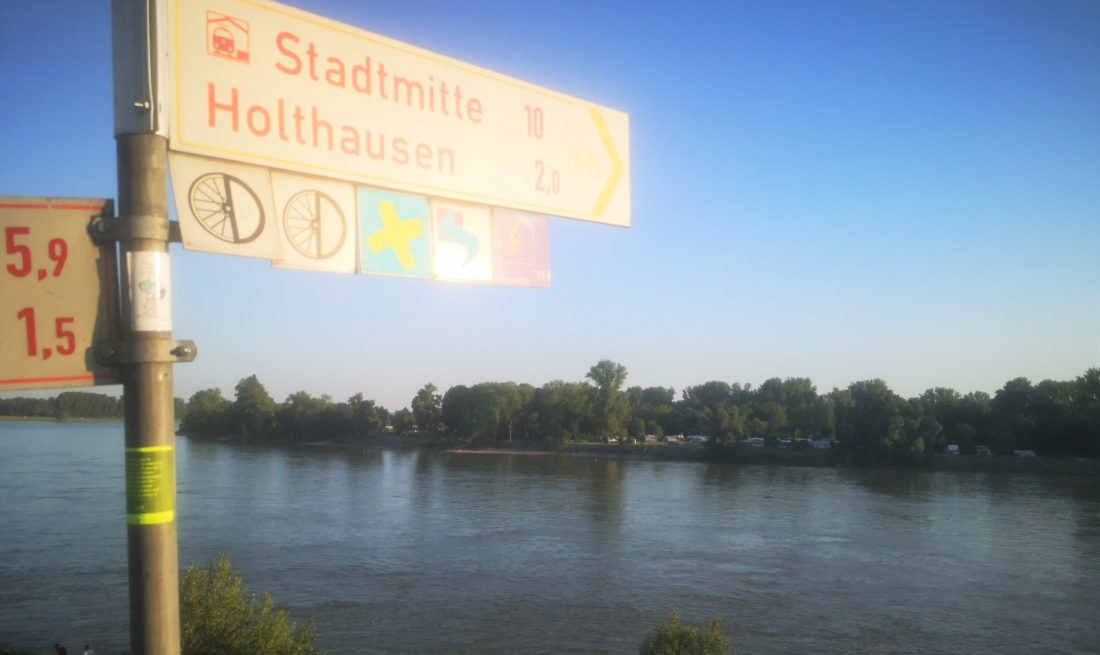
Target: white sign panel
x,y
224,207
262,83
462,242
317,223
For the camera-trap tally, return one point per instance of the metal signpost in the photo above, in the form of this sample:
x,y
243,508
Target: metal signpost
x,y
278,116
147,352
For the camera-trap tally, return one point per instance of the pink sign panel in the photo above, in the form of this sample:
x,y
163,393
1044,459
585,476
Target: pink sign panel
x,y
521,248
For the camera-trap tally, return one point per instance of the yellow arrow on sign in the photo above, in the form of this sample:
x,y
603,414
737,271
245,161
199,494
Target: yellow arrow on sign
x,y
617,168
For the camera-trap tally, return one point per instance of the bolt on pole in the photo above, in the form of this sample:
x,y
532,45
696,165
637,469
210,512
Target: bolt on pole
x,y
139,31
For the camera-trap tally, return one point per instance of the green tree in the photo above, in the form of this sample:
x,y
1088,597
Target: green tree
x,y
807,414
1083,422
489,411
1052,407
944,407
454,408
483,413
610,406
771,419
676,638
921,426
253,412
708,409
219,617
472,413
79,404
1013,419
427,408
24,407
521,418
875,425
364,416
403,421
974,419
654,405
205,414
306,418
561,409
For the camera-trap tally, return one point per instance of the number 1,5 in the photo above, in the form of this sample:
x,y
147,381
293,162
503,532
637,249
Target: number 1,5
x,y
66,344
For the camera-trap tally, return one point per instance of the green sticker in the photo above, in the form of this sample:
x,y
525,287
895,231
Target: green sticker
x,y
150,485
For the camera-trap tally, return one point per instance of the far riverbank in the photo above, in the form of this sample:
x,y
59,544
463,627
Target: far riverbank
x,y
757,456
747,456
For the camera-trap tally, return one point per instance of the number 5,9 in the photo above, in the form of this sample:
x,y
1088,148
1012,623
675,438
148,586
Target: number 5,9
x,y
57,250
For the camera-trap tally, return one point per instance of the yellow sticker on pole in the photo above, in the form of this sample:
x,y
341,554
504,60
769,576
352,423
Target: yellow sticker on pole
x,y
150,485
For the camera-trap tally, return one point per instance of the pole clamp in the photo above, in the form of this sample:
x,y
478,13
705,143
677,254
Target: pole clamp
x,y
116,353
139,226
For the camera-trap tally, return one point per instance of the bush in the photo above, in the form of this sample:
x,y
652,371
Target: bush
x,y
675,638
219,617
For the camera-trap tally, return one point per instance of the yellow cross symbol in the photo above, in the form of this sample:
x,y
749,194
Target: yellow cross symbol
x,y
396,234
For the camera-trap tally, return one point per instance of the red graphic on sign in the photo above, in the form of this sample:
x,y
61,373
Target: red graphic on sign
x,y
226,37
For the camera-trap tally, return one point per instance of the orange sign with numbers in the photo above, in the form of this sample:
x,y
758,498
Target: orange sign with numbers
x,y
51,281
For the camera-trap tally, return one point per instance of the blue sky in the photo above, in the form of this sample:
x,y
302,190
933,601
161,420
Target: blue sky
x,y
836,190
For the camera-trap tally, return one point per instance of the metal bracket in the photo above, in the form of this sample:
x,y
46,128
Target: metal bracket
x,y
115,353
135,227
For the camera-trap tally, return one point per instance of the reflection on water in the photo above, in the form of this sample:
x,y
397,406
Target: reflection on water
x,y
418,552
898,483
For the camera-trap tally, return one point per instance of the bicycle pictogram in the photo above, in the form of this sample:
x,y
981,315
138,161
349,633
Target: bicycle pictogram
x,y
226,207
314,224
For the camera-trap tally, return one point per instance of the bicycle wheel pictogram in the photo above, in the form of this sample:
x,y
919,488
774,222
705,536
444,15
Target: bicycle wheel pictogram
x,y
314,224
226,208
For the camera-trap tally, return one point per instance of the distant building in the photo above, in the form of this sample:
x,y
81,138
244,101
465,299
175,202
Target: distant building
x,y
755,442
822,444
952,449
983,450
1024,453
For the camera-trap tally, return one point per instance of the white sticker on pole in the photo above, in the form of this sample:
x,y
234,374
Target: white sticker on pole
x,y
150,291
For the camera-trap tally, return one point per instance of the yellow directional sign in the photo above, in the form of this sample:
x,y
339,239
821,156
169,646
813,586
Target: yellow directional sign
x,y
259,82
54,307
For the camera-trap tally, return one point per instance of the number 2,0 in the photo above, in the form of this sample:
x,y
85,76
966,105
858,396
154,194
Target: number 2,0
x,y
547,183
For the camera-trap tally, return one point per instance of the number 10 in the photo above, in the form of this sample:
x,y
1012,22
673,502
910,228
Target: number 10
x,y
534,121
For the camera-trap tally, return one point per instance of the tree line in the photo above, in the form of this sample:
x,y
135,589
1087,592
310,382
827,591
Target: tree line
x,y
254,415
66,405
865,422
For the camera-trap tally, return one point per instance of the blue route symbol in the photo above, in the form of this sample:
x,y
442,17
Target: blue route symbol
x,y
450,230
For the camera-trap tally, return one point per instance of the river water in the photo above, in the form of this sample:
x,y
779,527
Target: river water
x,y
414,552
